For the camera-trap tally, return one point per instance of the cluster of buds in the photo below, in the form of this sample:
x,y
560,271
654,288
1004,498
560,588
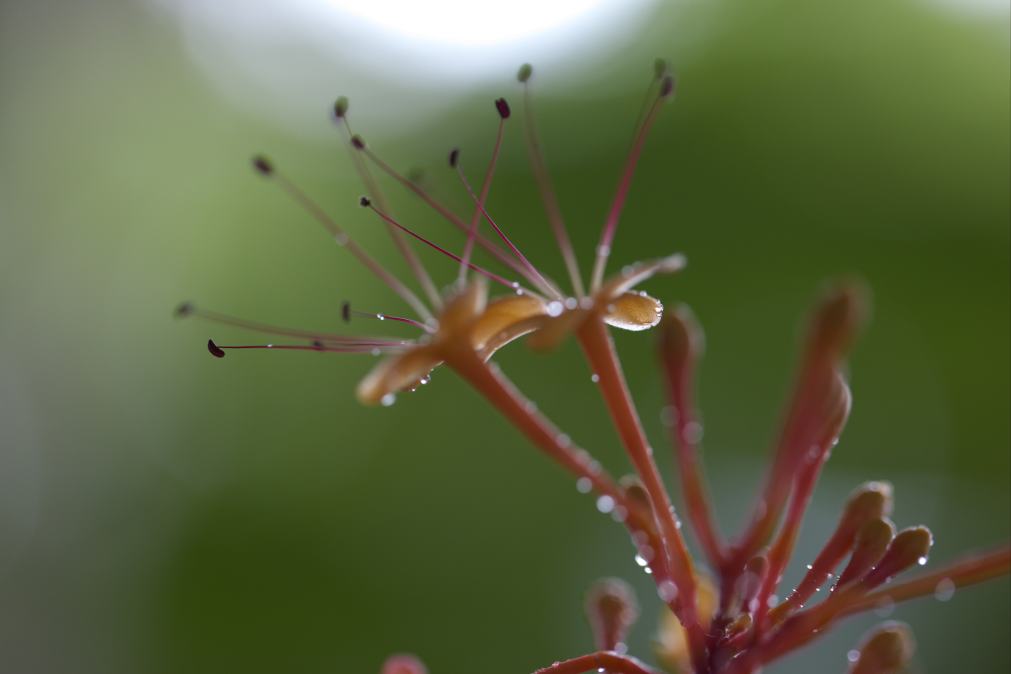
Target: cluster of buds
x,y
721,613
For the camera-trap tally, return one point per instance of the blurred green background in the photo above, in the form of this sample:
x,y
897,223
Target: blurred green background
x,y
161,511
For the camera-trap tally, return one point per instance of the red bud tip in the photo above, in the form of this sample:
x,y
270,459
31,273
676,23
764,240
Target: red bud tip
x,y
454,157
660,67
525,71
263,165
346,311
184,309
885,650
869,501
503,108
340,107
909,547
403,664
871,542
667,87
214,349
357,142
612,609
837,319
364,202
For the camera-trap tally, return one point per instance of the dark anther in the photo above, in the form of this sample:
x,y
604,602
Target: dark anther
x,y
454,157
346,311
340,107
357,141
263,165
666,86
502,107
214,349
364,202
526,70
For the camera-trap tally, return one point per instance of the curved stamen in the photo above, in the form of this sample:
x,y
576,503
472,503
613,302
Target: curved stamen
x,y
218,351
413,261
532,274
480,270
611,224
475,220
347,312
543,179
341,237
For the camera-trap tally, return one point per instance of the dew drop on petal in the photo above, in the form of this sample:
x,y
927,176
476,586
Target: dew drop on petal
x,y
388,400
555,308
809,567
853,655
922,561
945,590
595,377
640,560
584,485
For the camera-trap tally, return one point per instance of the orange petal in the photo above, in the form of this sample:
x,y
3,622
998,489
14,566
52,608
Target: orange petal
x,y
506,319
396,373
553,331
634,311
461,309
635,274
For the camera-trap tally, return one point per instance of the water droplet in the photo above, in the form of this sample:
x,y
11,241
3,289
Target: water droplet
x,y
945,590
640,560
605,504
376,351
885,608
388,400
563,440
603,250
853,655
381,317
694,432
571,303
594,377
341,239
773,601
668,416
922,561
667,591
809,567
584,485
648,570
555,308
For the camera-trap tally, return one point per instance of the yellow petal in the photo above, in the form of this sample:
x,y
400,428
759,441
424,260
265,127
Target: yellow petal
x,y
461,309
553,331
633,311
506,319
635,274
396,373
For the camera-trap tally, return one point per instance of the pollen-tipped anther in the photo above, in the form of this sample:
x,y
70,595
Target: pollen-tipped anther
x,y
885,650
503,108
340,107
612,610
667,86
214,349
263,165
524,73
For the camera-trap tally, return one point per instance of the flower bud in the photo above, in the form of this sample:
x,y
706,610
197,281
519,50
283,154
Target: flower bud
x,y
403,664
870,545
885,650
911,546
612,610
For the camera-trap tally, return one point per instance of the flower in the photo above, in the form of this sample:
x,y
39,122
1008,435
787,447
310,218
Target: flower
x,y
721,619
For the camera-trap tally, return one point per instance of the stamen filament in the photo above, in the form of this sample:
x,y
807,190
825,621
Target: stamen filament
x,y
543,179
475,219
342,239
491,275
372,187
266,328
441,209
625,182
533,275
348,312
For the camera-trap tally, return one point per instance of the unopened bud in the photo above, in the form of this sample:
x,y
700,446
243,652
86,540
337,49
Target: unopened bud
x,y
870,545
885,650
909,547
837,320
869,501
403,664
612,610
